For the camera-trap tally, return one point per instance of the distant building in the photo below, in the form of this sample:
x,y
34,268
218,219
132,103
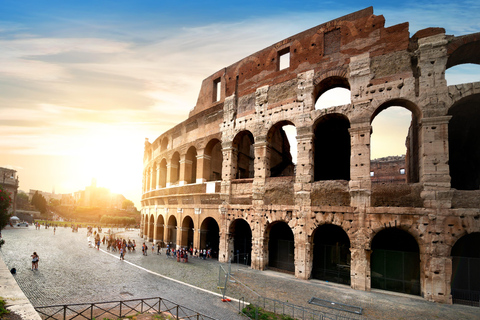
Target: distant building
x,y
9,181
388,169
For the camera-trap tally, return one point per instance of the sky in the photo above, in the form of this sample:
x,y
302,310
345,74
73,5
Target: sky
x,y
83,83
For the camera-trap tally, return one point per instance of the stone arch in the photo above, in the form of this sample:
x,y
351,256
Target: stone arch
x,y
331,254
464,143
210,236
281,246
213,160
464,49
187,232
164,144
190,174
171,236
395,261
175,169
163,173
243,144
279,156
332,148
159,229
335,79
465,282
151,226
240,233
412,141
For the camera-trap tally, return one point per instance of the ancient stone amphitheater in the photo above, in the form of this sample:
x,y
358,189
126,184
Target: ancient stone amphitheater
x,y
225,179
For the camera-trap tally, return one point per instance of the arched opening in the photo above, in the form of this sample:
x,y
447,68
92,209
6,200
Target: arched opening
x,y
151,227
172,232
331,254
395,262
159,229
210,236
187,232
163,173
280,153
332,148
191,165
213,161
464,143
394,156
465,73
175,169
281,247
164,144
332,92
242,241
243,143
465,270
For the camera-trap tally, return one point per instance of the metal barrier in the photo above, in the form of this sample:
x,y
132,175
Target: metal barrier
x,y
118,309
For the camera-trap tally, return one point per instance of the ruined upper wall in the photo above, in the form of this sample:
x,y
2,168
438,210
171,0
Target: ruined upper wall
x,y
328,46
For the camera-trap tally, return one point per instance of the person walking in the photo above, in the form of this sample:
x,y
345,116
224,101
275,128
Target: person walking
x,y
35,259
122,252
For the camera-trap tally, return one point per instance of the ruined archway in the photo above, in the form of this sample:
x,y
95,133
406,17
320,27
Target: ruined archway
x,y
163,173
332,148
175,169
213,163
242,241
332,91
281,247
210,236
465,270
395,262
151,227
464,143
280,157
187,232
172,232
243,143
395,161
191,166
331,254
164,144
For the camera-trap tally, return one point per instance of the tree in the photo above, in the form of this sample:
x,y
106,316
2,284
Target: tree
x,y
39,202
127,204
5,201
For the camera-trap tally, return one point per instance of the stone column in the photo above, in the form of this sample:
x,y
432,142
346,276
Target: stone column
x,y
261,167
434,168
185,170
302,252
229,168
153,181
304,167
259,247
149,178
360,183
196,239
172,170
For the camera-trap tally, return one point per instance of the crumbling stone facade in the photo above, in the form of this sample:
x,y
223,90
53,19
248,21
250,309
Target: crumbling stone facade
x,y
224,178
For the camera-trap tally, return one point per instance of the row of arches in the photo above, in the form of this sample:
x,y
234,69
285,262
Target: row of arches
x,y
190,167
395,263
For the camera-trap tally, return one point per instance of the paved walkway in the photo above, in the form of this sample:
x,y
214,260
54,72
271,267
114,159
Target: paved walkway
x,y
70,272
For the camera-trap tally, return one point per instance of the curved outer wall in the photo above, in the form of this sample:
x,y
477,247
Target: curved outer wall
x,y
198,169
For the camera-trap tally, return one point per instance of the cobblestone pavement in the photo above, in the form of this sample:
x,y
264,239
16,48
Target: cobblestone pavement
x,y
70,272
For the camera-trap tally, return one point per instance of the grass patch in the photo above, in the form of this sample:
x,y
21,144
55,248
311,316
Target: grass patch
x,y
2,307
253,312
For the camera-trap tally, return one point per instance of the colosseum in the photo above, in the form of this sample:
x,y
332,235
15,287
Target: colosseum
x,y
225,178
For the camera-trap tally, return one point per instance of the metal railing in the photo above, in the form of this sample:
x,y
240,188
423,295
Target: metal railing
x,y
119,309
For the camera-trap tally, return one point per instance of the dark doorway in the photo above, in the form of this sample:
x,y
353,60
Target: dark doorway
x,y
466,270
395,262
210,236
331,254
242,243
187,232
281,247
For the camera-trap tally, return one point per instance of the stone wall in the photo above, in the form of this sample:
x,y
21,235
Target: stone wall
x,y
288,205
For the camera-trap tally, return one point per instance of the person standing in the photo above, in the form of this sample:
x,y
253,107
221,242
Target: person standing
x,y
35,259
122,252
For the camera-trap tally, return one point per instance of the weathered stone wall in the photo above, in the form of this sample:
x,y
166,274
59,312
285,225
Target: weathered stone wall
x,y
382,67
